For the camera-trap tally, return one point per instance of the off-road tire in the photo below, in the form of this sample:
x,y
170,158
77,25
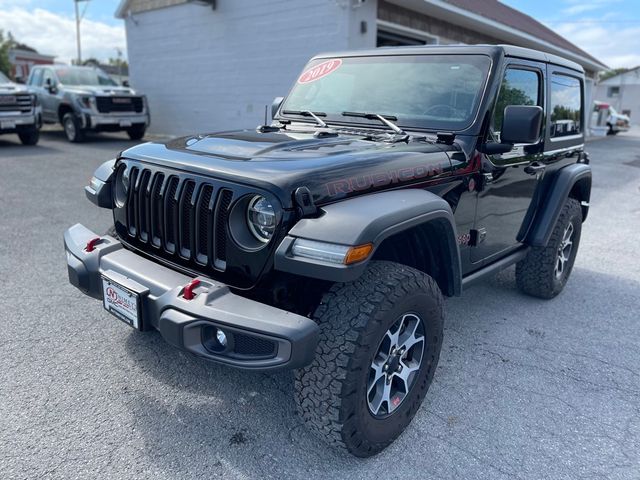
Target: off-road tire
x,y
353,318
136,132
29,136
72,128
535,275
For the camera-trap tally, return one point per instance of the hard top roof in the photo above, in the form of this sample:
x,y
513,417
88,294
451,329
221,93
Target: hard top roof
x,y
491,50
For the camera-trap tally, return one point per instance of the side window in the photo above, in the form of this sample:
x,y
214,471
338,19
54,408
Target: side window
x,y
48,74
36,78
519,87
566,106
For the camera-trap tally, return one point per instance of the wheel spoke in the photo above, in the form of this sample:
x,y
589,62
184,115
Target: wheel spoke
x,y
382,396
406,372
378,373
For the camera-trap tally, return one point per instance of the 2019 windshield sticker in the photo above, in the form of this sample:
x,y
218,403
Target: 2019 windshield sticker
x,y
319,71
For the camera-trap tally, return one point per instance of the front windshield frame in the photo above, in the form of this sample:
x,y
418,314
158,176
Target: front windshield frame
x,y
64,79
4,78
405,123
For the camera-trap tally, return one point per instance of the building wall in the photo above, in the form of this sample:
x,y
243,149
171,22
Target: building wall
x,y
205,69
627,99
22,62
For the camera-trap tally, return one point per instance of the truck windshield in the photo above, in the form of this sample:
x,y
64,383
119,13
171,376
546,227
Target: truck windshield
x,y
421,91
3,78
83,76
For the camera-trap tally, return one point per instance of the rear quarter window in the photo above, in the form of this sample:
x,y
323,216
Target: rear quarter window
x,y
566,106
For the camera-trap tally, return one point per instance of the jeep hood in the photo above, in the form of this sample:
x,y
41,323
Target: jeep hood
x,y
332,168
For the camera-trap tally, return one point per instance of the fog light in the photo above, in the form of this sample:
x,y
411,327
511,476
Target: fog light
x,y
217,340
222,338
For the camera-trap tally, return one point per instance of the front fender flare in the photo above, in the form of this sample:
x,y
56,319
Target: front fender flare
x,y
370,219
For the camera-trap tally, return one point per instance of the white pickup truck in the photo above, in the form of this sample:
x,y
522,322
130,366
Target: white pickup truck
x,y
20,111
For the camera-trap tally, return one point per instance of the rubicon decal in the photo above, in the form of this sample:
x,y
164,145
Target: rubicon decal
x,y
318,71
380,179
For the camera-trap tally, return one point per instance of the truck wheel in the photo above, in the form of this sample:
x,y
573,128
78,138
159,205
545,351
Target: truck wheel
x,y
545,270
380,340
72,128
29,136
136,132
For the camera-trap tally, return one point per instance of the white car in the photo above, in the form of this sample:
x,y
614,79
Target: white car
x,y
615,122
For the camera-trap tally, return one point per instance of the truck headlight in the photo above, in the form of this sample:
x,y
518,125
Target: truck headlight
x,y
261,218
86,101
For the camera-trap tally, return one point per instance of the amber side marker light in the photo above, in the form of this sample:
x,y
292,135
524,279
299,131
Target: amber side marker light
x,y
357,254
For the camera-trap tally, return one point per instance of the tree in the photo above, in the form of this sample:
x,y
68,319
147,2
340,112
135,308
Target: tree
x,y
118,62
613,73
5,45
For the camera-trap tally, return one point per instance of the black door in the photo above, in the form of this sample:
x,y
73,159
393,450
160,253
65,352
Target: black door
x,y
510,179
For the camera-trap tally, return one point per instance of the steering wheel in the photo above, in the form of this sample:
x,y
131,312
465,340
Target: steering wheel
x,y
434,108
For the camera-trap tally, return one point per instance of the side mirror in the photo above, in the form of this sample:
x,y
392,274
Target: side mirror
x,y
275,106
50,86
125,83
521,124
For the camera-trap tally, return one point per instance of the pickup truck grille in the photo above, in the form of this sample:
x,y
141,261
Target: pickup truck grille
x,y
183,217
119,104
15,103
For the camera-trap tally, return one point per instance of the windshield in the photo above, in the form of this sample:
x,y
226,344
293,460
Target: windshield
x,y
423,91
4,79
83,76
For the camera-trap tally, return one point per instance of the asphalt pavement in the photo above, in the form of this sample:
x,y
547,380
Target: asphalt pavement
x,y
525,389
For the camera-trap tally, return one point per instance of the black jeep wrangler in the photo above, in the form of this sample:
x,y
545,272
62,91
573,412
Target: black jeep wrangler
x,y
325,241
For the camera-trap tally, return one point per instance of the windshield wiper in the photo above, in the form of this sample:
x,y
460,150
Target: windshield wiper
x,y
374,116
308,113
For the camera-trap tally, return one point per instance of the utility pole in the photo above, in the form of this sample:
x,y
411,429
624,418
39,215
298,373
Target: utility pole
x,y
79,17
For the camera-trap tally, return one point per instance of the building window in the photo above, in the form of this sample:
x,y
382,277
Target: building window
x,y
395,35
566,106
613,92
519,87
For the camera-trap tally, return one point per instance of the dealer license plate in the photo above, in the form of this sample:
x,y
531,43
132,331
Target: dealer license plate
x,y
125,123
7,125
121,302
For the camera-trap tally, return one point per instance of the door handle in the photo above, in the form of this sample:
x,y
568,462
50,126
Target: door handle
x,y
534,168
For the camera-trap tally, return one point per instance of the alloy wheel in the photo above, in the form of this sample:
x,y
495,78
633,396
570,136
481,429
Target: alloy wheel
x,y
564,251
396,365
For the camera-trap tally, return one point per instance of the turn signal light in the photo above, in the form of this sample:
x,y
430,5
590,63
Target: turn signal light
x,y
357,254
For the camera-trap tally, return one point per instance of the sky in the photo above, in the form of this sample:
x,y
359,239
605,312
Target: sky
x,y
607,29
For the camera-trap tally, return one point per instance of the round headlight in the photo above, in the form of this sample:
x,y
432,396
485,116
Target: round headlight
x,y
261,218
122,185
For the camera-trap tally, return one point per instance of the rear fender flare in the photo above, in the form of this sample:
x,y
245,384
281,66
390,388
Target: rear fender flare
x,y
560,188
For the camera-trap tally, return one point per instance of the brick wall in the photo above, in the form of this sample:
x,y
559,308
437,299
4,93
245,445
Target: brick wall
x,y
447,32
136,6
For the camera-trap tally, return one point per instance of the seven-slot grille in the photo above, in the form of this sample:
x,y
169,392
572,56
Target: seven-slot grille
x,y
187,218
119,104
15,103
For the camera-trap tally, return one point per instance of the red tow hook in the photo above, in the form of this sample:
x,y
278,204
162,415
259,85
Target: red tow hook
x,y
188,289
91,244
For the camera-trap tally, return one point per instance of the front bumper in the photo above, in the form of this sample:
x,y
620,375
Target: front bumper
x,y
185,323
97,121
11,123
